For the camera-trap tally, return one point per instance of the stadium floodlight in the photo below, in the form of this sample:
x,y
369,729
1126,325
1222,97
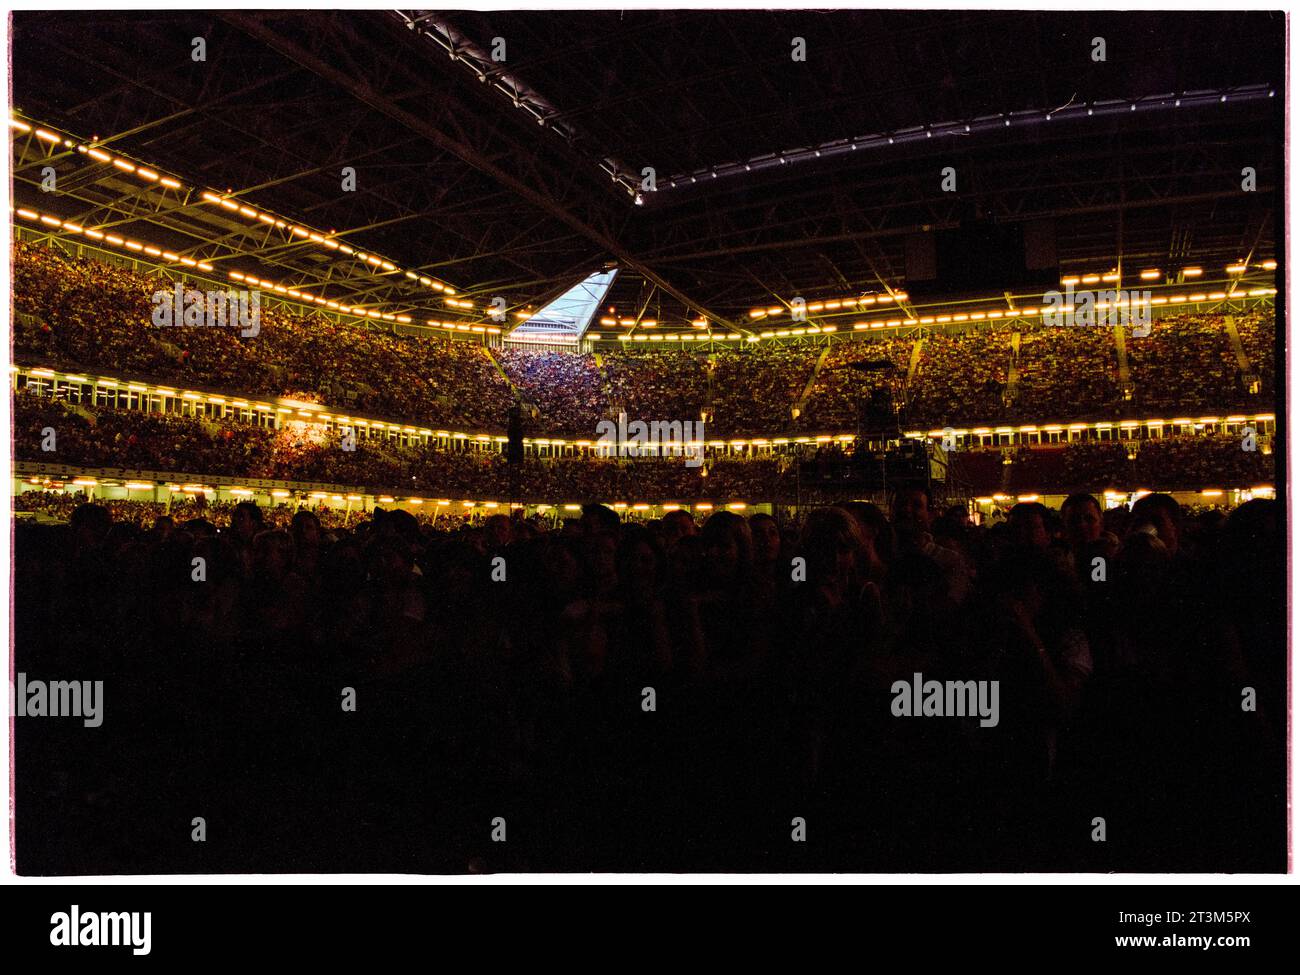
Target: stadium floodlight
x,y
113,239
151,175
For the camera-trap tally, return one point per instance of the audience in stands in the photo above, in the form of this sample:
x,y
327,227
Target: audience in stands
x,y
176,445
78,313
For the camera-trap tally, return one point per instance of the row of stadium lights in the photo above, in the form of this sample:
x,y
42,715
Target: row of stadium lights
x,y
389,499
1013,313
611,321
846,304
955,317
1181,421
1263,490
1154,274
123,242
136,246
850,304
305,233
1114,497
144,172
680,337
150,175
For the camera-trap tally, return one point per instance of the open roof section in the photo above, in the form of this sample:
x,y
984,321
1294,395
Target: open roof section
x,y
458,184
568,317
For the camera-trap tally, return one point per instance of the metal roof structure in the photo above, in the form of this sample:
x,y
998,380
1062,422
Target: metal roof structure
x,y
508,153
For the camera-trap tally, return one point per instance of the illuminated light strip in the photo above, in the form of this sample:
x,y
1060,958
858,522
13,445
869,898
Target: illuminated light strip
x,y
833,305
152,176
463,327
998,314
98,154
1195,299
114,239
331,304
306,233
152,251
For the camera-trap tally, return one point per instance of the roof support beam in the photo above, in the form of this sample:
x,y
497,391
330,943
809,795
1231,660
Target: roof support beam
x,y
258,28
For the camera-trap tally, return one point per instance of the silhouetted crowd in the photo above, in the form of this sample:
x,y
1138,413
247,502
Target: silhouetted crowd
x,y
656,696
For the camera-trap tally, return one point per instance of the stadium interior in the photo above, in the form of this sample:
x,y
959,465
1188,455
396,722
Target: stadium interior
x,y
975,318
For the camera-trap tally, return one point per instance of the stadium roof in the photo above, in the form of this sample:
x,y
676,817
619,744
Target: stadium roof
x,y
773,177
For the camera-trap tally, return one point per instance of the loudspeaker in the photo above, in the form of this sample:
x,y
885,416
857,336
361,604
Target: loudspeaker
x,y
982,257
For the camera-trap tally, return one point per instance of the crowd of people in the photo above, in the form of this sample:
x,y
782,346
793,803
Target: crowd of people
x,y
677,694
659,383
1182,463
80,313
1183,357
960,378
174,444
624,691
58,432
852,374
565,388
755,389
1258,333
1068,373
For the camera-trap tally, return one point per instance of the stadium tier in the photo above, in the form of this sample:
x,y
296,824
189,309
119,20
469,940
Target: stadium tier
x,y
82,314
190,447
